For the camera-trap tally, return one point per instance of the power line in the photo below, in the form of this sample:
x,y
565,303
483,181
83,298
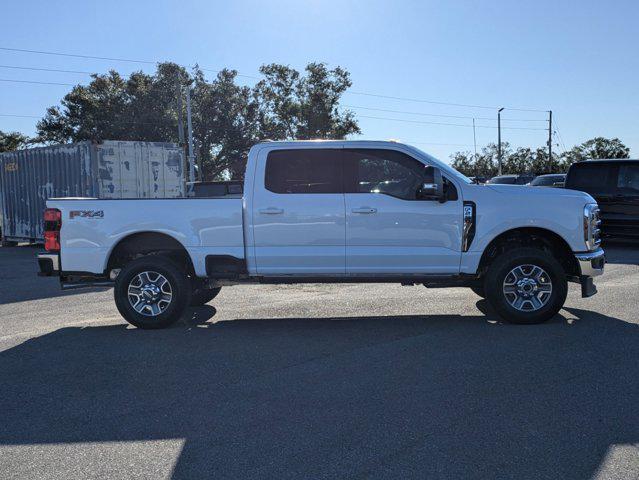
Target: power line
x,y
362,116
418,100
468,117
407,99
559,136
112,59
448,124
46,69
157,123
435,123
127,122
442,115
346,106
149,62
18,116
39,83
61,54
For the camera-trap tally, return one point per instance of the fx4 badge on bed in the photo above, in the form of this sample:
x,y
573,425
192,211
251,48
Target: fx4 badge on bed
x,y
86,214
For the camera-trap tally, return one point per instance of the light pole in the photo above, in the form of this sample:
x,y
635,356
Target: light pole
x,y
550,141
499,140
189,132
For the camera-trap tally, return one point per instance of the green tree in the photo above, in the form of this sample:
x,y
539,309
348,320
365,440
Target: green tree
x,y
598,147
225,124
227,118
487,163
483,164
304,107
519,161
463,162
142,107
522,160
541,165
10,141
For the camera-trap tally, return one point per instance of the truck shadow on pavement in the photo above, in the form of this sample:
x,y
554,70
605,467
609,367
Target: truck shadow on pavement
x,y
381,397
19,279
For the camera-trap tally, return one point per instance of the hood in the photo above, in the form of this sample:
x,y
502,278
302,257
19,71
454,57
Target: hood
x,y
522,190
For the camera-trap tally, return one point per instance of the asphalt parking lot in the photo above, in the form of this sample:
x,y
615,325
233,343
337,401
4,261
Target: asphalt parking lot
x,y
318,381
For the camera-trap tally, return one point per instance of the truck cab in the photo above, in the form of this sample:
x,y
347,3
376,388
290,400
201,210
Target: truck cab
x,y
333,211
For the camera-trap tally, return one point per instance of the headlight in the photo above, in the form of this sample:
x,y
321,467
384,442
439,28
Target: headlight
x,y
592,232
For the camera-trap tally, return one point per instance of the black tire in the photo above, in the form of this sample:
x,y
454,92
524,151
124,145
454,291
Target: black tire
x,y
202,296
178,283
479,290
501,268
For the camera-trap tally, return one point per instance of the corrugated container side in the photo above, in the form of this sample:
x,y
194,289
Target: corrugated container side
x,y
112,169
30,177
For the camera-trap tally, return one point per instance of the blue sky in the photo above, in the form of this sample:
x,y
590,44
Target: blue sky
x,y
577,58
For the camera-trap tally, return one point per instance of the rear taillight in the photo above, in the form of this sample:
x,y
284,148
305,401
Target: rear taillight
x,y
52,225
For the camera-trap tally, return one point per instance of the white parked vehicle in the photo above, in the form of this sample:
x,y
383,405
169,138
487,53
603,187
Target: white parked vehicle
x,y
331,211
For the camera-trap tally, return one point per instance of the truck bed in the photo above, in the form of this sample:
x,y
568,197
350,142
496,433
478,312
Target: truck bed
x,y
91,228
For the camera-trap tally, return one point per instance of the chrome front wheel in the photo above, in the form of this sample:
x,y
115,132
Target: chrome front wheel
x,y
527,288
526,285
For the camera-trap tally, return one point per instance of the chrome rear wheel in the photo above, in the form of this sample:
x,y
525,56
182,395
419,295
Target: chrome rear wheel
x,y
150,293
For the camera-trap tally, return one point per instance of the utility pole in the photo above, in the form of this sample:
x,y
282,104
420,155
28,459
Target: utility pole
x,y
499,139
475,139
179,112
549,141
189,128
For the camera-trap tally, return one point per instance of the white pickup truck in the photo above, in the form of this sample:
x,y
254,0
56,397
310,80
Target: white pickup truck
x,y
331,211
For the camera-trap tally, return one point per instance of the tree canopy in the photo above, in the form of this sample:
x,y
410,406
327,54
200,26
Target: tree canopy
x,y
598,147
227,118
10,141
527,160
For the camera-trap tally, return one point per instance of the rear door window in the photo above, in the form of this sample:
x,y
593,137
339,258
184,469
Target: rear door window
x,y
304,171
628,180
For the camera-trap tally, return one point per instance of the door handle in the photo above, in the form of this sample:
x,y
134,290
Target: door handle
x,y
271,211
364,210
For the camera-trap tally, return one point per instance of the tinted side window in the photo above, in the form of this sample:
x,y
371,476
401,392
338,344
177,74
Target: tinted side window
x,y
628,180
502,180
383,171
543,181
590,178
304,171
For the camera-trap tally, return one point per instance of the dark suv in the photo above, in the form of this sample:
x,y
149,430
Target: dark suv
x,y
615,186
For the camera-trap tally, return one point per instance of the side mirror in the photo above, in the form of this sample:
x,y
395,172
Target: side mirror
x,y
433,185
